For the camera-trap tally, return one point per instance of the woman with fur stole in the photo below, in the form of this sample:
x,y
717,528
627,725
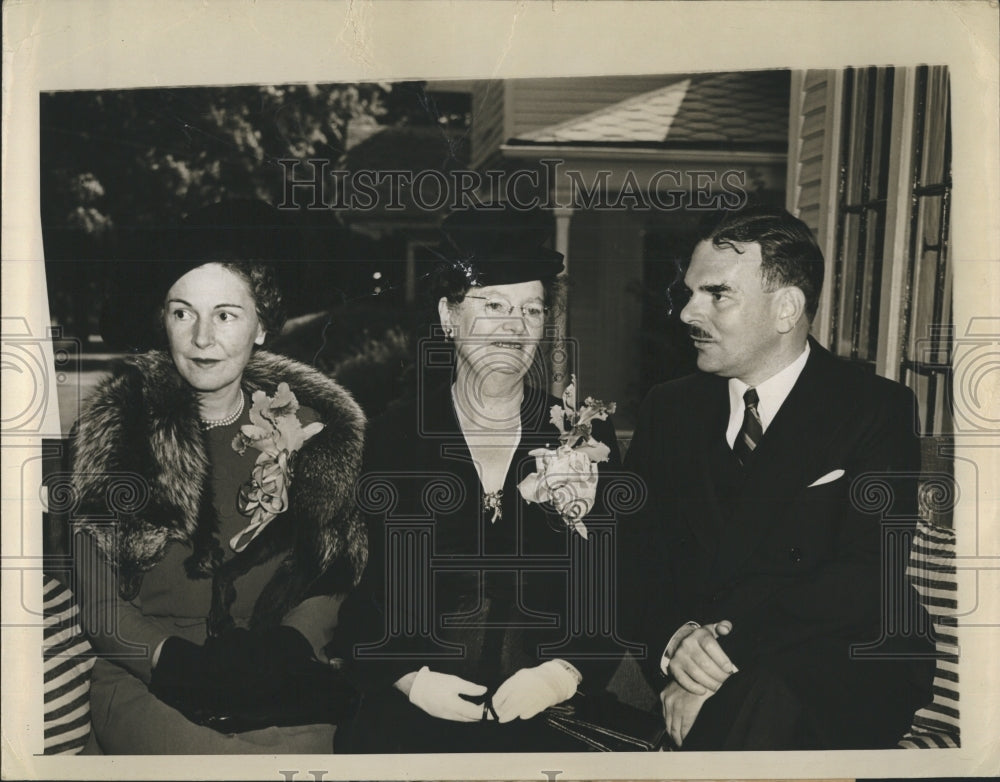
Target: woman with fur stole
x,y
218,533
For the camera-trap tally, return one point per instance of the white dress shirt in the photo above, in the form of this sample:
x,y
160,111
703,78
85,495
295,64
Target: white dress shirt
x,y
772,394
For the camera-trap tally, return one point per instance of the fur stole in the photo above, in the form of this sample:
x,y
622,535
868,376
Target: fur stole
x,y
141,474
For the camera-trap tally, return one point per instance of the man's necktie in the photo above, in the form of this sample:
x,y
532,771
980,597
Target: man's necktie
x,y
751,431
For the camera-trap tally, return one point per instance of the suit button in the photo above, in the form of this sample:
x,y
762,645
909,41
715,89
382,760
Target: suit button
x,y
795,554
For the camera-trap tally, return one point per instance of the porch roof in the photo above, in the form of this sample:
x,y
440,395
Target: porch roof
x,y
742,110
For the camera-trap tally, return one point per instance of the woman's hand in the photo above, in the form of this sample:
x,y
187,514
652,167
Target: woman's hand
x,y
532,690
440,695
405,683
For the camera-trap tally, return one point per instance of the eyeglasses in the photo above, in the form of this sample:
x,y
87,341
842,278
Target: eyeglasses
x,y
533,312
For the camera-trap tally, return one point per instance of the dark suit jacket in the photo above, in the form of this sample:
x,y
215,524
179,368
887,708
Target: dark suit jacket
x,y
801,571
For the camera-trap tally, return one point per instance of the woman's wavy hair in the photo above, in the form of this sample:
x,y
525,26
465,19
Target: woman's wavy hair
x,y
247,237
262,280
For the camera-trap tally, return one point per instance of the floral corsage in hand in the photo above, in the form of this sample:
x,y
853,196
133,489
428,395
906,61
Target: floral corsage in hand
x,y
567,475
276,432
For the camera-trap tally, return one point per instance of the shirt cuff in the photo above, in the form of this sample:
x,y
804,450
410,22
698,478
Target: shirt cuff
x,y
671,648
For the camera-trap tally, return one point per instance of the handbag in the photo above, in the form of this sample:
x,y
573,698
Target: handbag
x,y
245,680
316,694
602,723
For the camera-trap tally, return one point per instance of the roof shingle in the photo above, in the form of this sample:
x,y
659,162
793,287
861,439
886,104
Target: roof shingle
x,y
746,109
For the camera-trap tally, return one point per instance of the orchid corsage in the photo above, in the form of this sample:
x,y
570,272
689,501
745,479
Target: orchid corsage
x,y
277,433
566,476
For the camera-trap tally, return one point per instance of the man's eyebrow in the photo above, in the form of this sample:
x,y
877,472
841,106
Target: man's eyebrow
x,y
719,287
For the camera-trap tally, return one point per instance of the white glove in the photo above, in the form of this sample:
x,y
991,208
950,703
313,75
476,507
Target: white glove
x,y
439,695
532,690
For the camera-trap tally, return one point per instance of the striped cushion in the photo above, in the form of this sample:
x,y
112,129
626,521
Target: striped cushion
x,y
932,572
68,659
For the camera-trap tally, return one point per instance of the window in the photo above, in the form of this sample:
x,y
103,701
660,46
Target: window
x,y
925,350
891,305
861,214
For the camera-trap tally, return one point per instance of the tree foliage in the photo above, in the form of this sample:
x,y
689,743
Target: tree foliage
x,y
129,157
115,164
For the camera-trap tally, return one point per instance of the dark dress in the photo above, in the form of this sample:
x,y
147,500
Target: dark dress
x,y
449,588
127,718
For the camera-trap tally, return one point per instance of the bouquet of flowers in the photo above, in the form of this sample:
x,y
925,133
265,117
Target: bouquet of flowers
x,y
276,432
567,476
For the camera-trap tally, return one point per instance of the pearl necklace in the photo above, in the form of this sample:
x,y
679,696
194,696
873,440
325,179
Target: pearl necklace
x,y
207,424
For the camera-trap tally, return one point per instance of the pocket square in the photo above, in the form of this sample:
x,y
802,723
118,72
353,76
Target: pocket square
x,y
830,477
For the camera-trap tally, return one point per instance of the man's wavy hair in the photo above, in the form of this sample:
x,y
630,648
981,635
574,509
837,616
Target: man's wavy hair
x,y
789,253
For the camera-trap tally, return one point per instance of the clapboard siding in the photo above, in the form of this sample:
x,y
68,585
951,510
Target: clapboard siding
x,y
812,166
809,215
812,151
814,97
809,195
488,101
808,117
812,125
810,172
816,80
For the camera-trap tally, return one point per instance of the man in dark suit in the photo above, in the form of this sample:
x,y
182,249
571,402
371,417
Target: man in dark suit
x,y
756,565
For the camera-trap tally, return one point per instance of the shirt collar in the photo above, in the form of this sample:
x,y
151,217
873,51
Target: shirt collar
x,y
771,393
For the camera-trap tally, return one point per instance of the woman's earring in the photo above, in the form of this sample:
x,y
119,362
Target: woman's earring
x,y
447,333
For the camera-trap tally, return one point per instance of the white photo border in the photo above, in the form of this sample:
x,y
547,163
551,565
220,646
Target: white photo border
x,y
102,44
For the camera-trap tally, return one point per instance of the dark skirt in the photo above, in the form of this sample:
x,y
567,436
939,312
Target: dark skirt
x,y
129,720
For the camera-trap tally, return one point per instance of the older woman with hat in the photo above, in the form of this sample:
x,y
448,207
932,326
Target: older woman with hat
x,y
455,631
217,532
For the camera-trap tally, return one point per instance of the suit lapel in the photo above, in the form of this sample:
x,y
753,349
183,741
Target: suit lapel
x,y
707,469
784,462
